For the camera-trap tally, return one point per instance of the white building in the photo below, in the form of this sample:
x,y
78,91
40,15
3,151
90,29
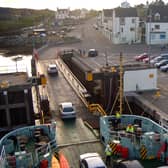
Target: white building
x,y
62,13
125,26
121,25
106,20
157,25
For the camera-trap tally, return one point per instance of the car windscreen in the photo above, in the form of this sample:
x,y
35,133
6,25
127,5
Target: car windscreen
x,y
53,68
68,109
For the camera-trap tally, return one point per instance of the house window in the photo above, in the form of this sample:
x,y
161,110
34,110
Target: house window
x,y
132,29
157,17
162,36
133,20
122,21
157,27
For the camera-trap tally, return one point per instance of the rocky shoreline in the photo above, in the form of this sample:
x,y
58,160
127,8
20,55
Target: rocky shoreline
x,y
19,44
24,46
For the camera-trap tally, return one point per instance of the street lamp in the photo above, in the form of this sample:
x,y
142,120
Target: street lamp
x,y
106,58
149,46
18,58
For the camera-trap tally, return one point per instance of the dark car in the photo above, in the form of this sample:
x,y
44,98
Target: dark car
x,y
92,53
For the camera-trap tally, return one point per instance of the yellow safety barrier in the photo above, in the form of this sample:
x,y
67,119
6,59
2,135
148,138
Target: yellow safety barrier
x,y
96,108
113,148
89,76
4,84
113,69
157,94
43,80
143,152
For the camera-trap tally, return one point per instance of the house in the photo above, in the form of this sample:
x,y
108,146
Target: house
x,y
106,21
62,14
157,25
125,26
121,25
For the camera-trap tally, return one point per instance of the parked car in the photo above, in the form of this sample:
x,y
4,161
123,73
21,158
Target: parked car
x,y
91,160
159,58
161,63
164,68
92,53
141,57
146,60
67,110
52,69
156,59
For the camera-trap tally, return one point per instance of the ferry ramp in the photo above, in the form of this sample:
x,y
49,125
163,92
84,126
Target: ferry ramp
x,y
74,137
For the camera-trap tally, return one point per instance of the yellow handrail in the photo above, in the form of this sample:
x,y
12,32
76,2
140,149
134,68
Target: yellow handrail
x,y
96,108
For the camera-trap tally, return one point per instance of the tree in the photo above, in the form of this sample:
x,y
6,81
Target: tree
x,y
158,3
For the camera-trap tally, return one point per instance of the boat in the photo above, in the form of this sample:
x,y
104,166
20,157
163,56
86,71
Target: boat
x,y
149,140
148,143
55,162
63,161
31,146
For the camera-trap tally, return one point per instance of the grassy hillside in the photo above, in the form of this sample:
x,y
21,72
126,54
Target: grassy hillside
x,y
14,19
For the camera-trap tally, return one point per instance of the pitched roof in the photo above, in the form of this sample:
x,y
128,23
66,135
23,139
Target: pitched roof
x,y
108,12
126,12
161,10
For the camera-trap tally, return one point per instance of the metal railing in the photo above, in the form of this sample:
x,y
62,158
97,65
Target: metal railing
x,y
2,158
73,81
96,108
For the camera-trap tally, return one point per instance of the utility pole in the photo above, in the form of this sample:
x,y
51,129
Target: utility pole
x,y
121,83
149,46
106,59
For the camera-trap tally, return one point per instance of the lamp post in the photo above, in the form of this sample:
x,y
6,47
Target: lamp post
x,y
106,57
18,58
149,46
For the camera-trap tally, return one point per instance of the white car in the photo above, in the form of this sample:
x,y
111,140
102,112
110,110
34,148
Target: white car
x,y
159,58
161,63
52,69
164,68
155,60
91,160
67,110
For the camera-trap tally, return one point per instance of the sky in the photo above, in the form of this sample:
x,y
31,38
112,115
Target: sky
x,y
72,4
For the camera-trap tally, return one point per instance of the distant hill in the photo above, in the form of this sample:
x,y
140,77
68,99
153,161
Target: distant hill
x,y
8,13
12,19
